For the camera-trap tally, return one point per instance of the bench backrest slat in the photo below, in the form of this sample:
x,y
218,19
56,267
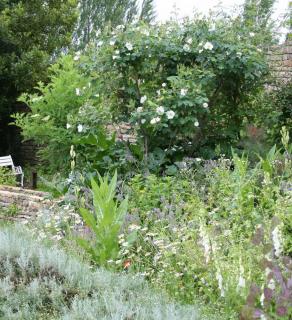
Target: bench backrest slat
x,y
6,161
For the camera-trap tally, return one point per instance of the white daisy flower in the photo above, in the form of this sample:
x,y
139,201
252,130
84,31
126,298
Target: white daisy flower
x,y
170,114
155,120
160,110
129,46
80,128
208,46
143,99
183,92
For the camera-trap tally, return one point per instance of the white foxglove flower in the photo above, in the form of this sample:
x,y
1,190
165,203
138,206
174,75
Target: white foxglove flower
x,y
183,92
129,46
78,92
241,280
155,120
140,109
143,121
277,241
143,99
205,105
208,46
196,123
80,128
160,110
68,126
220,283
170,114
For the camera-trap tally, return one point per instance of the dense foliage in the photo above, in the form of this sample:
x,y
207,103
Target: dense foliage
x,y
184,88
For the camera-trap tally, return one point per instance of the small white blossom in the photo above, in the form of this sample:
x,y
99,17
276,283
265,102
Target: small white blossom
x,y
259,50
112,42
239,54
183,92
77,56
170,114
158,92
129,46
208,46
120,27
220,282
115,57
163,85
205,105
201,50
196,123
143,99
186,47
68,125
100,43
189,41
155,120
80,128
251,34
140,109
160,110
143,121
117,51
78,92
146,33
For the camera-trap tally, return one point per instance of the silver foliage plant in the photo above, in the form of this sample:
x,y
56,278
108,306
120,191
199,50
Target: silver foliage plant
x,y
38,282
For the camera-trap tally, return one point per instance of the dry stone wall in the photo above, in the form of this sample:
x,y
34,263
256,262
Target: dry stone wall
x,y
280,59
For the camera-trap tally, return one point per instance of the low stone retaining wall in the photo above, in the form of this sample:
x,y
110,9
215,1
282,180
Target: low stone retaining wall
x,y
23,202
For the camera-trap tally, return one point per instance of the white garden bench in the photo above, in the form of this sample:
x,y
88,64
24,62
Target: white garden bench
x,y
8,162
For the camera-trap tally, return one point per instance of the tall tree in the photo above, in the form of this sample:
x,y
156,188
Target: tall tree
x,y
32,33
96,15
257,16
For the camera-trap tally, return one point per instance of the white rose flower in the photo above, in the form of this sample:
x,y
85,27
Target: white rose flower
x,y
183,92
205,105
80,128
78,92
143,121
160,110
208,46
140,109
129,46
68,126
170,114
196,123
143,99
155,120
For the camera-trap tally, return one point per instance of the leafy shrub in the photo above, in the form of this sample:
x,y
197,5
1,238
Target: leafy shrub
x,y
37,282
7,177
182,86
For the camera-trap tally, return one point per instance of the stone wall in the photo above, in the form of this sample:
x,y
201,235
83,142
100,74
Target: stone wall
x,y
280,58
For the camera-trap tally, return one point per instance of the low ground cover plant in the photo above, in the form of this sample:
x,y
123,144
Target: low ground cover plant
x,y
37,282
7,177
